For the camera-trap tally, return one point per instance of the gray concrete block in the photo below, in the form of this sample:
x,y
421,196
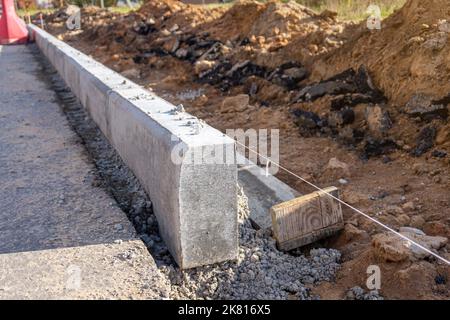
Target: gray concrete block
x,y
194,196
72,73
58,60
185,197
51,49
263,192
212,237
94,97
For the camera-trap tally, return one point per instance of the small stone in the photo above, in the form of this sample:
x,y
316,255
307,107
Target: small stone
x,y
386,159
131,73
350,295
435,228
351,232
181,53
378,120
417,222
390,248
409,206
337,168
237,103
394,209
429,242
444,25
165,32
244,277
440,279
357,292
412,230
403,219
174,28
203,65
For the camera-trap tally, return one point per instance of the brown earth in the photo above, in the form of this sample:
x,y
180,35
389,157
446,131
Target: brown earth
x,y
410,53
385,120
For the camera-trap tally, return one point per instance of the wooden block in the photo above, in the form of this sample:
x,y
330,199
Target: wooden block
x,y
306,219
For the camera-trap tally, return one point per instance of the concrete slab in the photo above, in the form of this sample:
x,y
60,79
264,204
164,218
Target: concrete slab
x,y
263,192
54,224
195,201
102,271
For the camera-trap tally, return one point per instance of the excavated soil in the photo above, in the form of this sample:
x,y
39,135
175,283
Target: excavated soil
x,y
375,100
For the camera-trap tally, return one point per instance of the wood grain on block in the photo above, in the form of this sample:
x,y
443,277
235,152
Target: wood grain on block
x,y
306,219
331,208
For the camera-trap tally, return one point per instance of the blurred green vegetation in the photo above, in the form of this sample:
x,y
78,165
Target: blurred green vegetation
x,y
83,3
354,10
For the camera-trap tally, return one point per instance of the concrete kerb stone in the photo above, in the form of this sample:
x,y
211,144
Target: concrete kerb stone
x,y
59,58
94,96
72,74
195,204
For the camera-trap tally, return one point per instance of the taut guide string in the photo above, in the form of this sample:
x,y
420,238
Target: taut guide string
x,y
409,241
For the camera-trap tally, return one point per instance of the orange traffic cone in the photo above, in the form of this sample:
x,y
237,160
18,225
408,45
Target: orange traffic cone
x,y
13,30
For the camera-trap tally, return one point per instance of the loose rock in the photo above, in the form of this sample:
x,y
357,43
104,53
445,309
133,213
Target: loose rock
x,y
237,103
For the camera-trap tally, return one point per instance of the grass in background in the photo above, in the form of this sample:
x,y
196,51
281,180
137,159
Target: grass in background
x,y
31,12
123,10
23,12
353,10
350,10
217,5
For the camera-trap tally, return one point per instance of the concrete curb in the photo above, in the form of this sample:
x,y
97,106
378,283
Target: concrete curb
x,y
195,202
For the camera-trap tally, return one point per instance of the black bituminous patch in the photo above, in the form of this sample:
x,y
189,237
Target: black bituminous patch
x,y
348,82
350,100
439,154
288,75
227,75
425,141
374,148
308,120
144,29
424,107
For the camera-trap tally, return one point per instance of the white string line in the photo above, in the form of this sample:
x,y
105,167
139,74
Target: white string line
x,y
350,206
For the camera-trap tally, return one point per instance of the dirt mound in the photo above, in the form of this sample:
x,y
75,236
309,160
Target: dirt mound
x,y
262,32
266,31
236,22
168,13
409,55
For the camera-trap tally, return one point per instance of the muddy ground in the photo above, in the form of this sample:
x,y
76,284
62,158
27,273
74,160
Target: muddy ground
x,y
365,110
